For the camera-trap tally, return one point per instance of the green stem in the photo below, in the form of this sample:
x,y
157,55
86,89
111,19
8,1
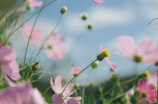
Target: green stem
x,y
46,90
30,37
27,20
77,75
48,36
15,24
120,84
109,102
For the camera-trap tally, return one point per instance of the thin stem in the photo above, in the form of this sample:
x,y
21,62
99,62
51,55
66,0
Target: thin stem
x,y
120,84
46,90
109,102
76,93
49,36
77,75
30,37
31,76
15,22
28,20
152,100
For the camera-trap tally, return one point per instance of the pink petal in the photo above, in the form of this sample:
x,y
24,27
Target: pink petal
x,y
141,84
102,48
1,45
127,45
36,3
7,54
36,97
11,69
58,85
11,84
146,45
112,65
118,53
57,99
72,101
98,1
52,84
69,89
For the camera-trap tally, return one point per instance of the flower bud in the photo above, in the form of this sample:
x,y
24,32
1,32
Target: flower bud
x,y
144,95
156,64
76,86
35,66
30,7
90,26
114,78
95,64
84,16
103,55
144,75
63,10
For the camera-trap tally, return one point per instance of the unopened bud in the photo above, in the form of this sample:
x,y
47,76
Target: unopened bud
x,y
90,26
63,10
156,64
114,78
35,66
76,86
84,16
95,64
144,95
30,7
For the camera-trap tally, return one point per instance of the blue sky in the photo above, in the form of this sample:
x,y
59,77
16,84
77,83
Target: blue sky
x,y
110,20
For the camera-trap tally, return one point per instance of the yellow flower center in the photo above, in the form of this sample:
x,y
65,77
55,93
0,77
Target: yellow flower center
x,y
106,52
146,74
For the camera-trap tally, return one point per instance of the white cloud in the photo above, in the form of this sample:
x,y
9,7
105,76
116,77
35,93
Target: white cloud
x,y
100,16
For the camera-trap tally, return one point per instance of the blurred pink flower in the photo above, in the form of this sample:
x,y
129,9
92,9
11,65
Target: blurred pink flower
x,y
54,47
75,71
112,65
57,99
148,88
24,93
36,37
145,52
57,87
34,2
98,1
8,64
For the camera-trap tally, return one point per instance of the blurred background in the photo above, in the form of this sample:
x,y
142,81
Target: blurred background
x,y
110,20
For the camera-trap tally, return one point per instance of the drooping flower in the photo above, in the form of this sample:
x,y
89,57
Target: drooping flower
x,y
98,1
147,87
36,37
54,47
34,2
9,66
58,89
23,93
145,52
75,71
106,54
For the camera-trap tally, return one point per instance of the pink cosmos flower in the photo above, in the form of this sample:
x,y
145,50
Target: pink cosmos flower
x,y
22,94
112,65
98,1
145,52
148,88
34,2
8,64
36,37
75,71
54,47
57,87
57,99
